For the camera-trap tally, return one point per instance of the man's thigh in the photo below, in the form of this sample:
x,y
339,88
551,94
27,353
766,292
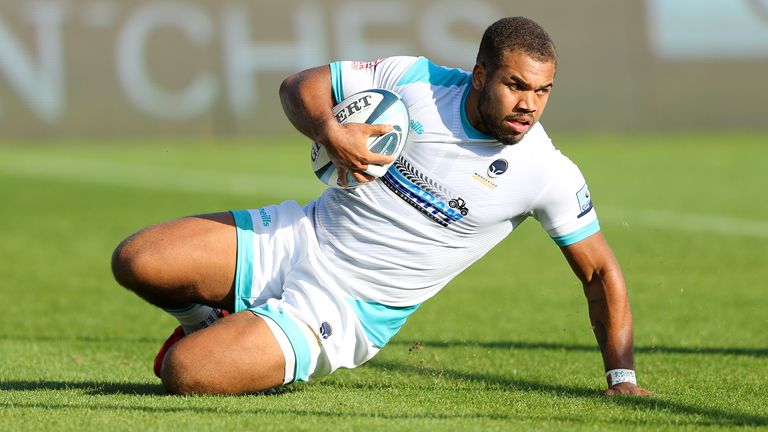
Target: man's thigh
x,y
238,355
192,259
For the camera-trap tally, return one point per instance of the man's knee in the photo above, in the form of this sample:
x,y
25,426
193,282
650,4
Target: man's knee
x,y
179,374
186,373
133,265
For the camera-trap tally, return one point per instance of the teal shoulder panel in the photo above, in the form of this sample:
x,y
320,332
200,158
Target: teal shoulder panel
x,y
425,71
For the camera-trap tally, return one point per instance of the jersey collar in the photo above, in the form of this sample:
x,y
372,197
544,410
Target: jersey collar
x,y
468,128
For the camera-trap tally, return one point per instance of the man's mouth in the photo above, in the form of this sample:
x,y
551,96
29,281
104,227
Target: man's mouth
x,y
519,124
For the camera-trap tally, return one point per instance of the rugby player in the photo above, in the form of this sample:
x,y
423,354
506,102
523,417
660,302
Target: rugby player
x,y
282,293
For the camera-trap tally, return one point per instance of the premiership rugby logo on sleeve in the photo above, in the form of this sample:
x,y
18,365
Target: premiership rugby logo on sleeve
x,y
358,65
585,200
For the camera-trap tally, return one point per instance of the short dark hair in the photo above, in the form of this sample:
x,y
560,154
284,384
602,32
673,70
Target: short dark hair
x,y
515,34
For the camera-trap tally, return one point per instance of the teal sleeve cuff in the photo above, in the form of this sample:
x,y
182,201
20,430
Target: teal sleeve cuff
x,y
336,83
578,235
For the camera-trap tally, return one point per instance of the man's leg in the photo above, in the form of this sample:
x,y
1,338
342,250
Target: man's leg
x,y
193,261
190,260
238,355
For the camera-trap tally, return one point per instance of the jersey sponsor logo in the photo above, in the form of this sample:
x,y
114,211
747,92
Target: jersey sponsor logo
x,y
422,194
497,168
358,65
585,200
459,204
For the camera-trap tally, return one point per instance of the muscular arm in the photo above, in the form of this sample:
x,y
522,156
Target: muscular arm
x,y
595,265
307,100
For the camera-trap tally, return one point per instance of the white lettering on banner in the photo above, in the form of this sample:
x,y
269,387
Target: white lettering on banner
x,y
439,17
353,19
147,95
40,86
244,57
36,70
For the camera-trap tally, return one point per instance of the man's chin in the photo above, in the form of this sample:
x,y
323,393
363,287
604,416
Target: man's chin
x,y
510,139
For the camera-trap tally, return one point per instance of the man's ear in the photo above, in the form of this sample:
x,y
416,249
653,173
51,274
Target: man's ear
x,y
478,76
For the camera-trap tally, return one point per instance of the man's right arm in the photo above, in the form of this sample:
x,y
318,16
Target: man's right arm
x,y
307,100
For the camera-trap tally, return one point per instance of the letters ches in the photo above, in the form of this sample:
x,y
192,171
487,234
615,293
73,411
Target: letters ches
x,y
226,49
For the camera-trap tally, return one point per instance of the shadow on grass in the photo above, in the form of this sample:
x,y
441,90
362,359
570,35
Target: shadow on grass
x,y
699,416
747,352
61,338
551,346
658,406
703,416
94,388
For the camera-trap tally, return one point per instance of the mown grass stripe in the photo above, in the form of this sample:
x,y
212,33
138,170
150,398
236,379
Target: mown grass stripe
x,y
156,177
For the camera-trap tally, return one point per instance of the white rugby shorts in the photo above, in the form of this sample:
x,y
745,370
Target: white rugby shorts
x,y
283,277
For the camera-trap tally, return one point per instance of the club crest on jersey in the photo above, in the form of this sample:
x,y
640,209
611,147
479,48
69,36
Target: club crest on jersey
x,y
585,200
325,330
497,168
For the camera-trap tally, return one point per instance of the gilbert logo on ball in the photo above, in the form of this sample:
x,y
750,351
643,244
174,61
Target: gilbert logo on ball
x,y
374,106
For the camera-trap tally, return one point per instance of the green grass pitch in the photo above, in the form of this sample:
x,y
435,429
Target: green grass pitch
x,y
506,346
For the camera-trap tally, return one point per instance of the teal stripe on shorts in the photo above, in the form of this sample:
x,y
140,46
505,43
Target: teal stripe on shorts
x,y
381,322
244,269
295,336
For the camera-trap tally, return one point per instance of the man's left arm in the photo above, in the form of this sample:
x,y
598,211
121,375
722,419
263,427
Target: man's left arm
x,y
595,265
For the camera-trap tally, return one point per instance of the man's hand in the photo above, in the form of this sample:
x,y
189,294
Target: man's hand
x,y
627,388
308,101
347,147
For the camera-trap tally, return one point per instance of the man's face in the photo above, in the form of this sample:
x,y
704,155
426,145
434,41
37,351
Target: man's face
x,y
512,100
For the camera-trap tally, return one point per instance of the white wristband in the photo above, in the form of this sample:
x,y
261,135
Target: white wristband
x,y
616,376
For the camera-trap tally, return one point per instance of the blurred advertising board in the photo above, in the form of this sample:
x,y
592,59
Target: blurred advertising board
x,y
103,68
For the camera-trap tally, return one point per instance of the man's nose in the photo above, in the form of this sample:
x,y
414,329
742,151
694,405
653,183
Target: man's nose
x,y
527,102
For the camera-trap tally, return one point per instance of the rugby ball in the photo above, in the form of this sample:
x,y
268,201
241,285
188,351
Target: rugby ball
x,y
374,106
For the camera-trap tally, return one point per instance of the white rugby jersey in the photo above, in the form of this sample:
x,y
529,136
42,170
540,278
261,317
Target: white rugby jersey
x,y
452,195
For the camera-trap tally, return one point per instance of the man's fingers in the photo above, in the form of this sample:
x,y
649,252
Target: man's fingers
x,y
347,178
379,159
342,177
379,129
361,177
